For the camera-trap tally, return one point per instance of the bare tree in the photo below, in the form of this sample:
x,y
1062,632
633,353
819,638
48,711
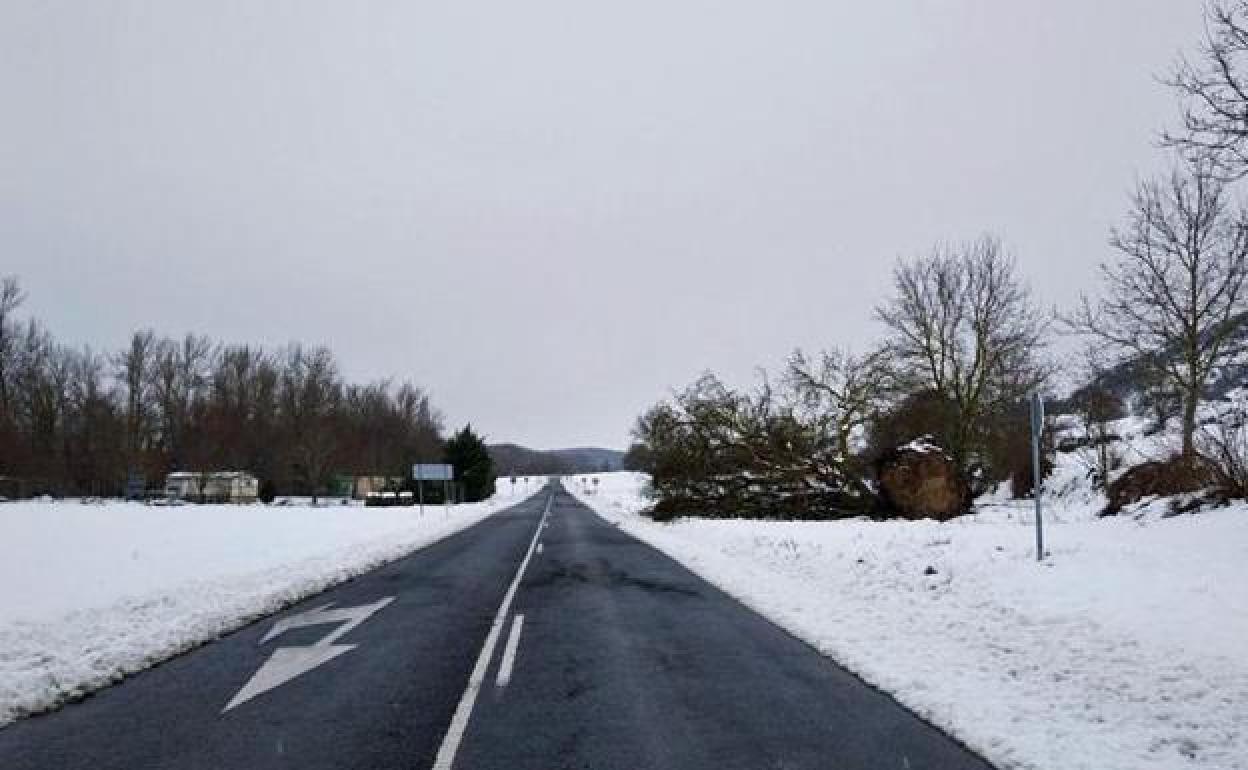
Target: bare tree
x,y
1097,408
1225,443
836,394
35,398
94,430
178,377
74,421
964,326
132,366
240,413
1175,295
1214,90
11,298
310,394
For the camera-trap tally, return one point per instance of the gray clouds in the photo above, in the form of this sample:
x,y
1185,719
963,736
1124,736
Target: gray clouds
x,y
626,193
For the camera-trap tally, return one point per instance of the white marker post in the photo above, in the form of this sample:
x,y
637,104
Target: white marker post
x,y
1037,485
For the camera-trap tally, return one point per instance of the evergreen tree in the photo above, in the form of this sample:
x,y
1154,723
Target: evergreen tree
x,y
474,468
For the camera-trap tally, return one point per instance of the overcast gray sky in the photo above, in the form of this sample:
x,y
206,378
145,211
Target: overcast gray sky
x,y
550,213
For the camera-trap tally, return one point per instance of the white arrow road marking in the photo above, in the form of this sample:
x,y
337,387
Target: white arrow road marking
x,y
286,663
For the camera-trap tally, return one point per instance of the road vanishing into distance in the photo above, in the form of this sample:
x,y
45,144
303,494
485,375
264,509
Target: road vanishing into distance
x,y
541,638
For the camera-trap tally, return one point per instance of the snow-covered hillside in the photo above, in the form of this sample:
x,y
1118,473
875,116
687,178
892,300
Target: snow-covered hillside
x,y
1124,650
92,592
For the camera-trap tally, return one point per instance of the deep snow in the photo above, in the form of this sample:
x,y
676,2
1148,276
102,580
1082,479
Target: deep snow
x,y
1127,649
92,592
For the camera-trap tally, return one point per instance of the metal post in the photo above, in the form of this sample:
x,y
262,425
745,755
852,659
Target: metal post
x,y
1037,484
420,488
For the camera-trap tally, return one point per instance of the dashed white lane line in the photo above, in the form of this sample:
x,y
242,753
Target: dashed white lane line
x,y
509,652
540,547
463,712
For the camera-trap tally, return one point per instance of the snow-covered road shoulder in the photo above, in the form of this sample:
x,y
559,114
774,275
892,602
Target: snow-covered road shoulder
x,y
91,593
1124,651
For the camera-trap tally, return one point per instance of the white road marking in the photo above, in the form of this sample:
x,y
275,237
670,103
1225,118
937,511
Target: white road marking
x,y
540,546
286,663
463,712
509,652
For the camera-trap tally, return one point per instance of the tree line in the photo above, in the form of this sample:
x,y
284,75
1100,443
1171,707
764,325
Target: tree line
x,y
965,341
75,421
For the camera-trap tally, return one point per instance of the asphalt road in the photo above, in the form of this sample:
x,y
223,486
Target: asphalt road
x,y
541,638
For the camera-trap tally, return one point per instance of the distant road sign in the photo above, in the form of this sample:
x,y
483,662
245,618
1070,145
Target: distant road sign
x,y
433,472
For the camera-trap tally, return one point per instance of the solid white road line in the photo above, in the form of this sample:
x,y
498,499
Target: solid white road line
x,y
463,712
509,652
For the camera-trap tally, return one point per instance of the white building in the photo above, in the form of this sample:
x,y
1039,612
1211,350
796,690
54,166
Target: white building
x,y
216,486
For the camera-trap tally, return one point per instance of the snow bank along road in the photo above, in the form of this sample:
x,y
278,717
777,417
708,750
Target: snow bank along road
x,y
1123,650
542,637
90,593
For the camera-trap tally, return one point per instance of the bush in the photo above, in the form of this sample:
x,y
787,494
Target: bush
x,y
1002,439
718,452
1225,444
1182,474
1007,453
922,414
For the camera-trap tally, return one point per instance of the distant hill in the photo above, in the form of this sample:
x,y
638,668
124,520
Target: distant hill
x,y
1125,379
591,459
512,459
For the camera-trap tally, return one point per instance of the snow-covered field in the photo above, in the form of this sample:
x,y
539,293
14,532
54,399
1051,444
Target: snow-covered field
x,y
1127,649
92,592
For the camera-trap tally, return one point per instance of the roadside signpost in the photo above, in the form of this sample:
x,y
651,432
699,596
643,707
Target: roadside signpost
x,y
423,472
1037,485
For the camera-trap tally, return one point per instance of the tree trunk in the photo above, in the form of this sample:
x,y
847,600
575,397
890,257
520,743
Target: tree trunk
x,y
1190,401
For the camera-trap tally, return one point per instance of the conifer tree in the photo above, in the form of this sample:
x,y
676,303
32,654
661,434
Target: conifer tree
x,y
474,468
